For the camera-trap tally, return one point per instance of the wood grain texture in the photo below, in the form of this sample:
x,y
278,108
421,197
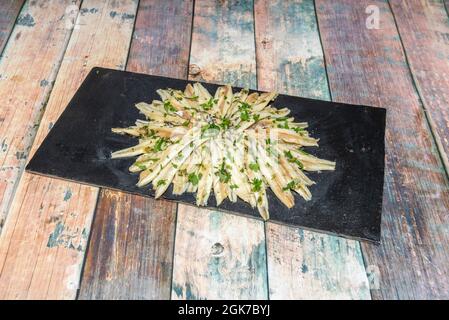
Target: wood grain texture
x,y
161,39
219,255
130,255
302,264
367,66
424,30
130,249
44,238
222,48
28,68
9,10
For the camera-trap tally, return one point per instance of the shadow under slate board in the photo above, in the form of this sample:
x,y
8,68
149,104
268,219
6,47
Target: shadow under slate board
x,y
345,202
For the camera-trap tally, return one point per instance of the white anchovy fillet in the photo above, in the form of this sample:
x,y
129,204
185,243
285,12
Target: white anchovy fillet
x,y
229,144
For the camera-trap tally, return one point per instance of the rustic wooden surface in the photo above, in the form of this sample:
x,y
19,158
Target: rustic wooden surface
x,y
424,30
130,253
227,259
30,80
368,66
44,238
9,11
130,250
403,66
302,264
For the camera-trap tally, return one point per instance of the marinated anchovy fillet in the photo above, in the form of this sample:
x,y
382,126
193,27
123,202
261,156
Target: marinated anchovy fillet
x,y
230,144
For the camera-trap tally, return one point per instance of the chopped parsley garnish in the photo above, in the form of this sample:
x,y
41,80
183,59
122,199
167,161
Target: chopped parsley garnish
x,y
225,123
140,166
223,174
149,132
194,178
244,106
161,183
207,105
244,111
233,186
254,166
168,107
257,185
284,126
160,144
212,127
298,129
256,117
292,159
281,119
289,186
288,154
186,123
244,115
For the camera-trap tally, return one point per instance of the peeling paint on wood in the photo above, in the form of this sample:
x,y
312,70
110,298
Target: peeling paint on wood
x,y
411,262
223,43
161,38
302,264
26,20
308,265
21,97
222,51
424,30
289,50
65,237
235,271
9,10
131,249
38,258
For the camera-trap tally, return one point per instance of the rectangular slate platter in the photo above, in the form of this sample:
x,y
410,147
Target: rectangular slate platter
x,y
345,202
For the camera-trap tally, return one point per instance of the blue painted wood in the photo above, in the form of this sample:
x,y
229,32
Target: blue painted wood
x,y
368,66
302,264
218,255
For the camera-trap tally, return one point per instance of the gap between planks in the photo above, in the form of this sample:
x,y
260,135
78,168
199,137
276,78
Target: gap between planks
x,y
410,262
195,282
136,262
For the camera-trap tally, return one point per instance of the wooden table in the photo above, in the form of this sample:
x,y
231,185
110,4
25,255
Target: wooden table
x,y
62,240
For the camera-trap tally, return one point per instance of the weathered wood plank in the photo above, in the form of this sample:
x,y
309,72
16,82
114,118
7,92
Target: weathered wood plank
x,y
367,66
218,255
424,30
9,10
161,39
130,254
223,48
302,264
44,238
26,82
130,249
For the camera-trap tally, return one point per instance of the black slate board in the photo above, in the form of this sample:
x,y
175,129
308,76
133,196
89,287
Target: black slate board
x,y
346,202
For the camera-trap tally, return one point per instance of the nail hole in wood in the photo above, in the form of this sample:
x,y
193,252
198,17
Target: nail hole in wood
x,y
217,249
194,70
